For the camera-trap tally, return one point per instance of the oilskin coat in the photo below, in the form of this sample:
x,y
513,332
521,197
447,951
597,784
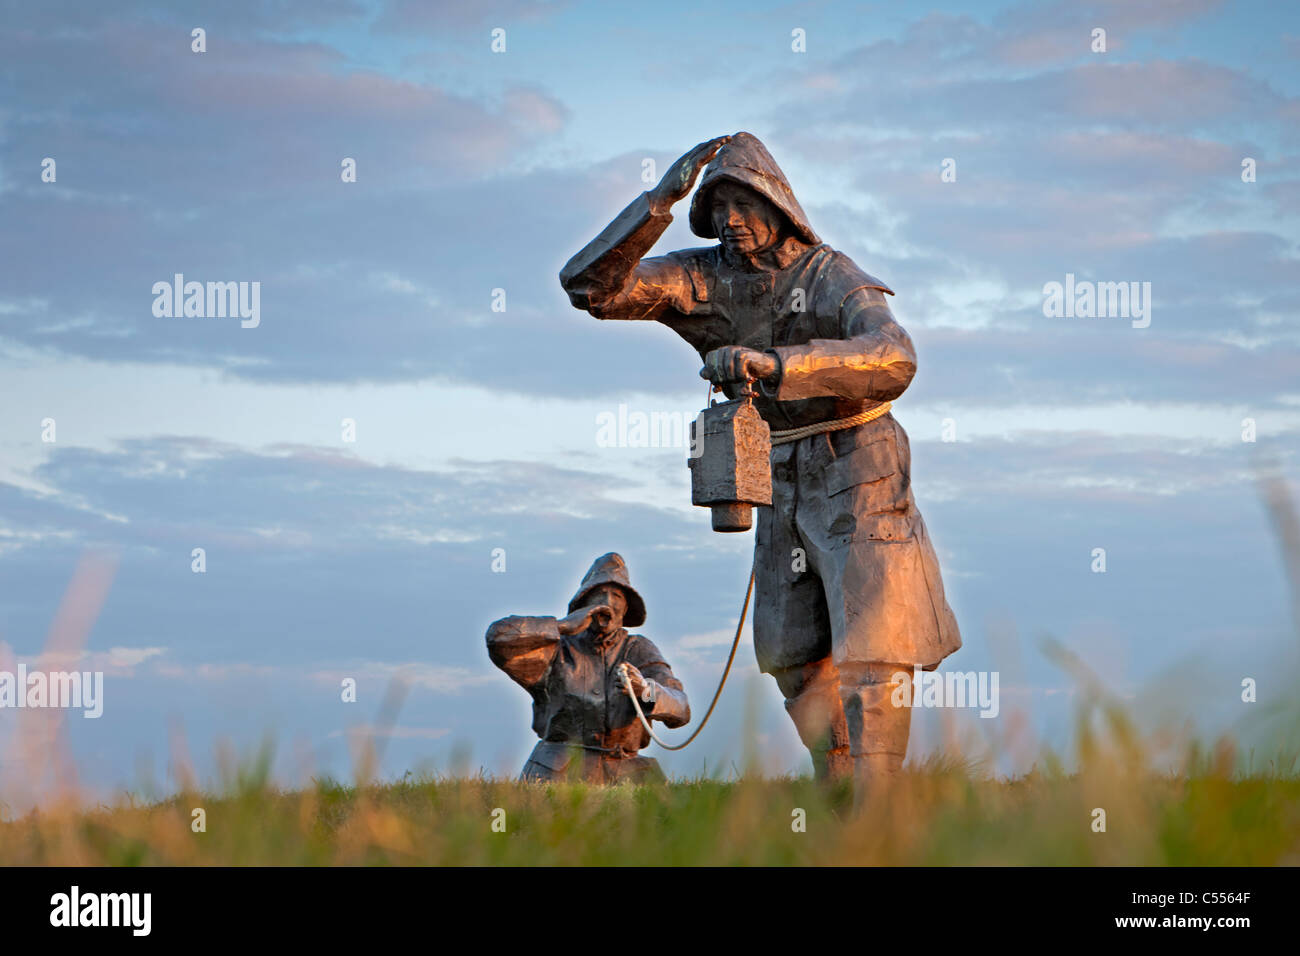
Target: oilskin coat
x,y
845,568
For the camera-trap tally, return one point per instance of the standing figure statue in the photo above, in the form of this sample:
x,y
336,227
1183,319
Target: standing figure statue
x,y
848,584
579,669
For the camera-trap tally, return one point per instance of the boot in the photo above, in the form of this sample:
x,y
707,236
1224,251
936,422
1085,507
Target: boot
x,y
872,776
831,766
812,699
878,730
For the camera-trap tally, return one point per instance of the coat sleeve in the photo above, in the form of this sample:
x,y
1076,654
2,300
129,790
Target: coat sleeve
x,y
874,360
671,705
609,279
524,647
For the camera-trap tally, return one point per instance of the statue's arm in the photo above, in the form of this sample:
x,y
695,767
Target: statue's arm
x,y
609,279
875,360
670,705
524,647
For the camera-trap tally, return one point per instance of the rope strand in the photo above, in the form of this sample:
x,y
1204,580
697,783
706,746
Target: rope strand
x,y
781,436
740,626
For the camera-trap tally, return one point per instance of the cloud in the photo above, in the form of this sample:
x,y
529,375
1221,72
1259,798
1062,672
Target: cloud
x,y
1092,167
441,16
239,671
114,662
431,677
1039,33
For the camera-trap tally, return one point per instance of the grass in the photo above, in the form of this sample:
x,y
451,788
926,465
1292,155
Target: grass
x,y
939,814
1210,805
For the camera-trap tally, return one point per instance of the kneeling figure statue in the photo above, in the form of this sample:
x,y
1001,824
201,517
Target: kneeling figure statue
x,y
574,669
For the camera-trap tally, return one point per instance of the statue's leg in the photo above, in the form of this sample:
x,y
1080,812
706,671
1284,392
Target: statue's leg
x,y
643,770
876,602
877,728
792,634
566,763
547,762
812,699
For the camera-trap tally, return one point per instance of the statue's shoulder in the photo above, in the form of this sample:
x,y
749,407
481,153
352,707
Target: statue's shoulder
x,y
698,259
840,275
704,255
701,266
641,649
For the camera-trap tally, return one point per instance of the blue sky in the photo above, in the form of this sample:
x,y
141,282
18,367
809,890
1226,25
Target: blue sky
x,y
476,429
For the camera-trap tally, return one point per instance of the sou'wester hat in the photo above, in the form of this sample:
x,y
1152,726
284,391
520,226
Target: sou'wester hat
x,y
611,569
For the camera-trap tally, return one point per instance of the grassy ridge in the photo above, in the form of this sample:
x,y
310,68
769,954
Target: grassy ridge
x,y
1209,806
934,815
1212,808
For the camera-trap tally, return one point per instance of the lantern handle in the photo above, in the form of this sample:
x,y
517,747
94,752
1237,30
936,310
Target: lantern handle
x,y
746,391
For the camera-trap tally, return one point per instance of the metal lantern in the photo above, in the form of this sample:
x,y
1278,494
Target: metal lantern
x,y
730,463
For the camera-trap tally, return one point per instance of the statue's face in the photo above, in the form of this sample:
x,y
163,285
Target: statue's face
x,y
613,596
745,221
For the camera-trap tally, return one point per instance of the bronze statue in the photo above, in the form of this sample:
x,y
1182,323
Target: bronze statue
x,y
848,584
572,667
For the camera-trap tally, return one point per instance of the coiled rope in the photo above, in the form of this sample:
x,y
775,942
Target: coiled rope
x,y
783,435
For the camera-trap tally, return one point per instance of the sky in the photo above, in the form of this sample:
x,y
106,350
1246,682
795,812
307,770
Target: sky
x,y
1035,439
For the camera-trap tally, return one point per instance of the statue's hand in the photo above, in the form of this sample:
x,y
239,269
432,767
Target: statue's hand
x,y
579,620
734,363
630,677
681,176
